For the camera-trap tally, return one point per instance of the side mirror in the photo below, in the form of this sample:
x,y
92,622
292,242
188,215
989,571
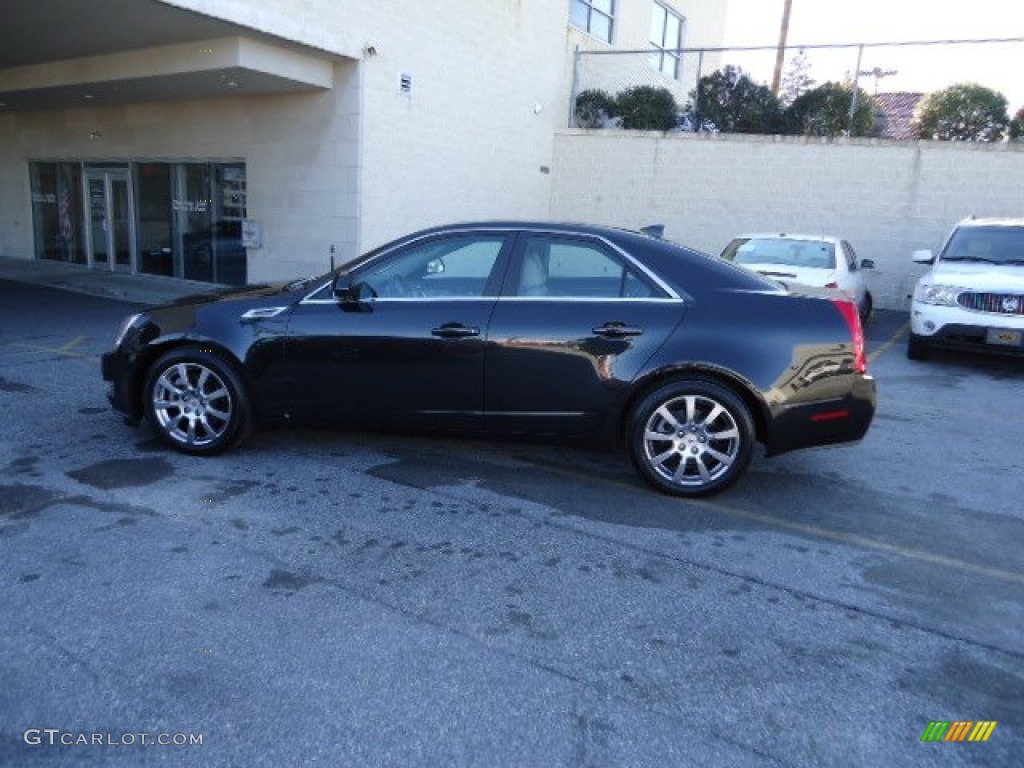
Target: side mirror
x,y
341,287
435,266
867,263
923,257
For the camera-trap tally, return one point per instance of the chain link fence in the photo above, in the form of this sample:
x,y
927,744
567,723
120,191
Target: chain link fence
x,y
905,67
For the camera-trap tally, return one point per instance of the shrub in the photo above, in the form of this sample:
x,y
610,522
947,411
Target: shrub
x,y
595,109
646,108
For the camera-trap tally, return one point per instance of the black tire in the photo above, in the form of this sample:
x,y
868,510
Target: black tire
x,y
918,348
865,309
696,456
196,402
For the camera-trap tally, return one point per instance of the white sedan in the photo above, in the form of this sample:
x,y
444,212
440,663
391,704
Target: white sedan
x,y
817,260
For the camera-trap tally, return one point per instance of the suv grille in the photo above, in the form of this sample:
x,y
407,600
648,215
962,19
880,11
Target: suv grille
x,y
997,303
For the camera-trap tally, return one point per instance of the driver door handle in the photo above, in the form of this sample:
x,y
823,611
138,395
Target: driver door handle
x,y
454,331
617,330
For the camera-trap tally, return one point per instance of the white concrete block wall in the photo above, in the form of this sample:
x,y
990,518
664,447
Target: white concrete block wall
x,y
887,198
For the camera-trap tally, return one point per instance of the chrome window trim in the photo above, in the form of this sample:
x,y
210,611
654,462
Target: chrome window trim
x,y
513,231
594,299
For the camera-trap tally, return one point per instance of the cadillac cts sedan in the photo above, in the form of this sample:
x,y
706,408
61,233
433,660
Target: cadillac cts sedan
x,y
514,328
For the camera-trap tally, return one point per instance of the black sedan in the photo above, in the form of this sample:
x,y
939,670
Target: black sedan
x,y
540,329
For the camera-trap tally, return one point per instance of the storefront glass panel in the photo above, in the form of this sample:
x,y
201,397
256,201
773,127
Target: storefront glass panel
x,y
57,211
153,188
175,219
192,232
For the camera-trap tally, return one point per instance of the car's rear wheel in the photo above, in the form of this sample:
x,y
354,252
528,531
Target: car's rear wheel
x,y
196,402
918,348
691,437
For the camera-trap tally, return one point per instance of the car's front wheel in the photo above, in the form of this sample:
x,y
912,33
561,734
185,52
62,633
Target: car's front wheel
x,y
917,348
691,437
196,402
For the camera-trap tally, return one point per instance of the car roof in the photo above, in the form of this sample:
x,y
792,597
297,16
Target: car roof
x,y
788,236
992,222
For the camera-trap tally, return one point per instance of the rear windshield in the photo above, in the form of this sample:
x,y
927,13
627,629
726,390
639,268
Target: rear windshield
x,y
774,250
995,245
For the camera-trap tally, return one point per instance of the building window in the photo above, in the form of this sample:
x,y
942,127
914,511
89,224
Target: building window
x,y
179,219
666,39
594,16
57,211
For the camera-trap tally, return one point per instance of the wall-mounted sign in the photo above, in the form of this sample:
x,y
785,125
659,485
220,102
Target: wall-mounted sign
x,y
252,234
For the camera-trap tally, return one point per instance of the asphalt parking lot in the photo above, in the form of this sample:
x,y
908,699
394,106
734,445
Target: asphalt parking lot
x,y
354,599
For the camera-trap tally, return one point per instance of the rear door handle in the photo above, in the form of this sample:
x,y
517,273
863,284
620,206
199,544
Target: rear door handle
x,y
454,331
617,330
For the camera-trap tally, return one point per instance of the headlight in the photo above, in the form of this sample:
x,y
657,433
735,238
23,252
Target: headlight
x,y
125,327
943,295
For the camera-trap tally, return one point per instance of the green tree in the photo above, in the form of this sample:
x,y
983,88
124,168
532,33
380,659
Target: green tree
x,y
965,112
797,80
1017,126
646,108
735,103
825,111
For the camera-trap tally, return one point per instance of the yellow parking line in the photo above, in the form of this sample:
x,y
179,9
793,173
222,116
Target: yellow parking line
x,y
816,531
73,343
51,350
889,344
866,542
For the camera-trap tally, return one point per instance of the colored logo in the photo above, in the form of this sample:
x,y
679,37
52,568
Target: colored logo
x,y
958,730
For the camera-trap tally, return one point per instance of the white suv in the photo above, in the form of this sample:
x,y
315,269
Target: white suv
x,y
973,296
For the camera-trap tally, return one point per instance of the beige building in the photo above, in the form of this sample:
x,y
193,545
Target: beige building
x,y
247,140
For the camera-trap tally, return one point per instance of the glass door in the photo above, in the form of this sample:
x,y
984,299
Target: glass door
x,y
111,219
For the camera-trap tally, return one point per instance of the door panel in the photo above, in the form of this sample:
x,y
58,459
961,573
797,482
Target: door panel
x,y
579,322
111,221
396,363
558,367
120,208
405,345
96,193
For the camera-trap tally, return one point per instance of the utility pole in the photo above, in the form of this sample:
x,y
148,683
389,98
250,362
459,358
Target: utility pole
x,y
781,54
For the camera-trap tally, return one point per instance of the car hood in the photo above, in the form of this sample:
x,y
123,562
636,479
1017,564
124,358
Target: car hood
x,y
979,276
235,293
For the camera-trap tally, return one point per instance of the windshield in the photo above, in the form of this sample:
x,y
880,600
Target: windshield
x,y
777,250
992,245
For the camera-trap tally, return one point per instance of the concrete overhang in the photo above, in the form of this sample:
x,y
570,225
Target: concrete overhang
x,y
122,51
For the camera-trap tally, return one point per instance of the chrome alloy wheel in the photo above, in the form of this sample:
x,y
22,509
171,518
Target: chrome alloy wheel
x,y
691,441
192,404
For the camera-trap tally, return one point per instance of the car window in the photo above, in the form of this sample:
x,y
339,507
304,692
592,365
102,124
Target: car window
x,y
999,245
574,269
451,267
778,250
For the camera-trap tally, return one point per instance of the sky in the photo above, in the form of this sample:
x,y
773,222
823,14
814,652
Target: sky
x,y
924,69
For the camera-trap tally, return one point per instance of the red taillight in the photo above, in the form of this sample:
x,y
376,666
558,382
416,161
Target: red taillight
x,y
849,312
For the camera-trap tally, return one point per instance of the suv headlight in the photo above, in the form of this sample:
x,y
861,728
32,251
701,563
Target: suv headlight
x,y
943,295
126,325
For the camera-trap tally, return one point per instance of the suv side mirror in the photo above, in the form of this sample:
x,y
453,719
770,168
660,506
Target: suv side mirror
x,y
923,257
867,263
